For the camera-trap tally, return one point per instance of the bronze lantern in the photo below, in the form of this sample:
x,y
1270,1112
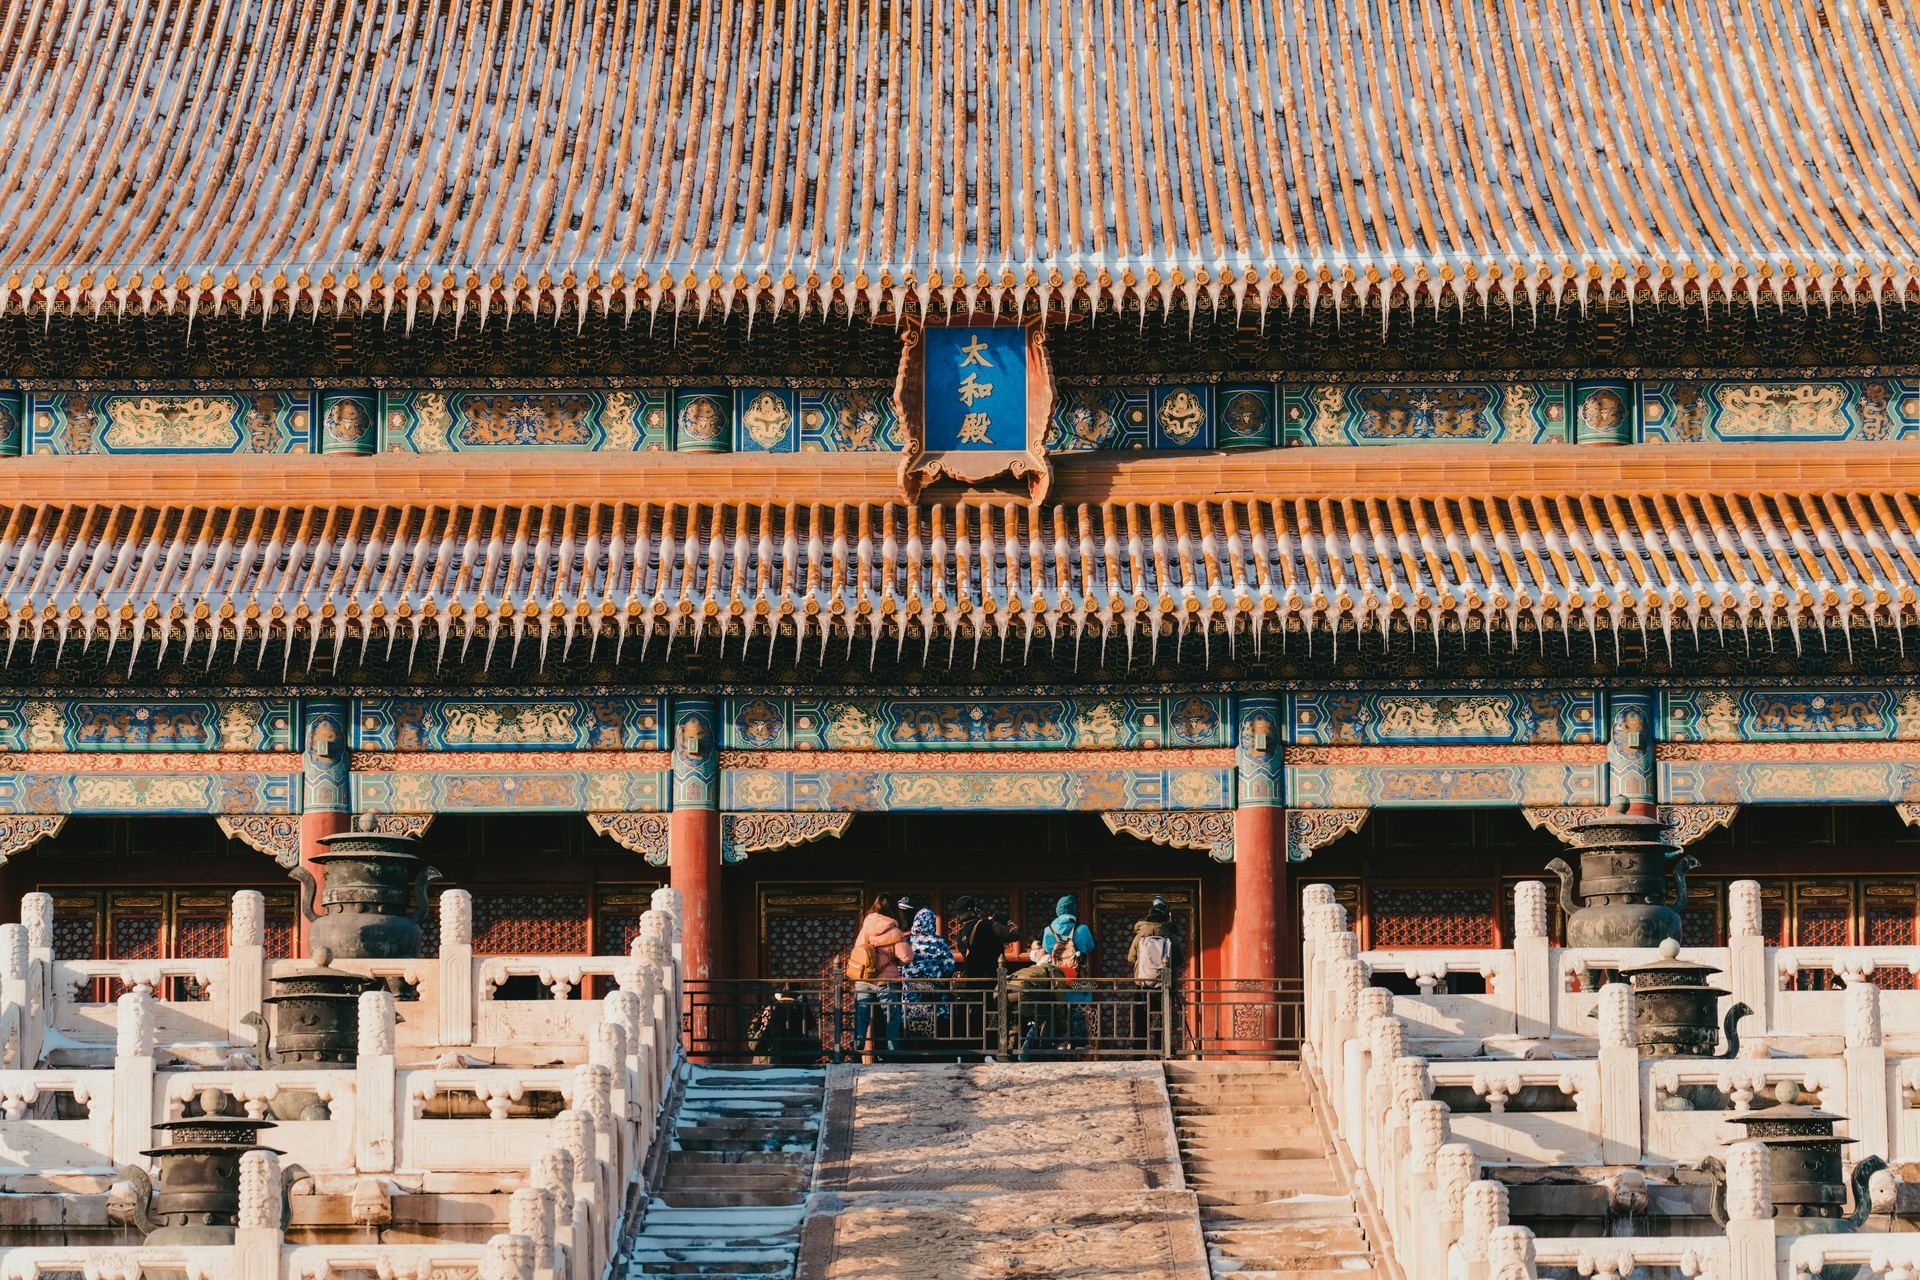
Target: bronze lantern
x,y
1676,1012
196,1200
1620,897
374,898
1805,1163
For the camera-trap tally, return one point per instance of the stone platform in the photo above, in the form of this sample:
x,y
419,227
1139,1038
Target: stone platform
x,y
1005,1172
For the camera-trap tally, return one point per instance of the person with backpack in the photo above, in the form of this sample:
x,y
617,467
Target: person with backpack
x,y
980,939
1069,946
1154,956
873,966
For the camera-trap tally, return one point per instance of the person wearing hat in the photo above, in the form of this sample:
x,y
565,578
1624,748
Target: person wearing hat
x,y
1154,958
1069,948
980,938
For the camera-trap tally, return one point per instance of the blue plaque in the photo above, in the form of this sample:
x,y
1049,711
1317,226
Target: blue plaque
x,y
976,388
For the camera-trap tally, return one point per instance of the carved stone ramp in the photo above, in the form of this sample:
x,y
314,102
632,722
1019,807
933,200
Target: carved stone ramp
x,y
1067,1171
733,1196
1272,1205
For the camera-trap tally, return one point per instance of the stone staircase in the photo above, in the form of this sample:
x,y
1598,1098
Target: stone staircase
x,y
1272,1205
735,1187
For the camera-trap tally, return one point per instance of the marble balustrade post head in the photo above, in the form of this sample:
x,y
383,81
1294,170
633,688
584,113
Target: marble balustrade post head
x,y
592,1090
1388,1040
1530,909
623,1006
1510,1254
1455,1168
1749,1175
1429,1128
573,1130
1409,1080
1863,1015
530,1214
1616,1016
607,1046
673,902
36,912
1482,1211
377,1018
1374,1002
135,1026
1339,946
1744,919
508,1257
260,1190
553,1171
456,918
249,927
1316,895
13,952
1349,980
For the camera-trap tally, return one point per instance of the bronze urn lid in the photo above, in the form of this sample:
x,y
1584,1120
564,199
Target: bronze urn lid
x,y
1790,1122
1671,973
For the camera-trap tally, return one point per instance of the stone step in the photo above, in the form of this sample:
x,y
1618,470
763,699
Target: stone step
x,y
1270,1171
1305,1209
1181,1069
1254,1148
1283,1239
707,1199
1233,1272
1246,1194
1254,1109
701,1180
757,1157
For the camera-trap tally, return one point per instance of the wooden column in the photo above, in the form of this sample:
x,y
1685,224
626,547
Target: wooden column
x,y
326,787
1263,932
693,833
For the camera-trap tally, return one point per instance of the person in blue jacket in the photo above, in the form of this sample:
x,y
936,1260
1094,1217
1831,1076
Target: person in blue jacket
x,y
1069,946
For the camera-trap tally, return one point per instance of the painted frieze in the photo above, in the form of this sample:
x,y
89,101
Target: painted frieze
x,y
502,788
350,421
1257,759
1685,412
1789,715
146,724
867,782
491,421
44,786
849,420
13,424
1787,773
922,724
1412,413
1630,747
1352,717
153,422
1603,412
325,761
491,723
1396,777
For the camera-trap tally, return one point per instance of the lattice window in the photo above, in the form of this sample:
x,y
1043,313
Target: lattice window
x,y
279,937
530,924
1888,922
1429,916
200,937
136,937
76,937
801,946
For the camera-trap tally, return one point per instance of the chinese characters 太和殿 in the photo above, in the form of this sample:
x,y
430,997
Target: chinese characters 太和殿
x,y
977,426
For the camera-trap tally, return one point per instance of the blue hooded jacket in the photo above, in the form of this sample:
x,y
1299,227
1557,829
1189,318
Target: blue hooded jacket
x,y
1067,916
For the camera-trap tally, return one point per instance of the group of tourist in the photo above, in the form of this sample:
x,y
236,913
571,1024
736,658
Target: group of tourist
x,y
922,987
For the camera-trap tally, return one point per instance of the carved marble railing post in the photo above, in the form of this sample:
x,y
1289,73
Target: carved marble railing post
x,y
530,1214
654,950
553,1173
507,1257
1322,1013
1619,1070
133,1077
593,1097
1747,974
624,1008
1532,962
1429,1129
457,976
374,1085
1751,1233
246,965
1387,1040
573,1130
1347,981
1314,895
1357,1058
258,1230
1455,1168
36,913
607,1048
14,968
1510,1254
1868,1106
1483,1211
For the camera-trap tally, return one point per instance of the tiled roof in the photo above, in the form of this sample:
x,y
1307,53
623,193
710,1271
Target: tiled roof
x,y
635,155
1142,575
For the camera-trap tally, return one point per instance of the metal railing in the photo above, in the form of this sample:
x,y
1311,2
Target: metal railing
x,y
830,1020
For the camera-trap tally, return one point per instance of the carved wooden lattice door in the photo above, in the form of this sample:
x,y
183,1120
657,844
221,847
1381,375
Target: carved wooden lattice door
x,y
804,928
1117,905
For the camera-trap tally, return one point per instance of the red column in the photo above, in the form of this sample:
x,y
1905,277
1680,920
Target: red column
x,y
1265,937
312,827
693,867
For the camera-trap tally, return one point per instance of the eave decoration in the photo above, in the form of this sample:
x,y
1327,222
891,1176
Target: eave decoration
x,y
1311,829
973,401
1684,823
1208,829
740,833
20,832
275,834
